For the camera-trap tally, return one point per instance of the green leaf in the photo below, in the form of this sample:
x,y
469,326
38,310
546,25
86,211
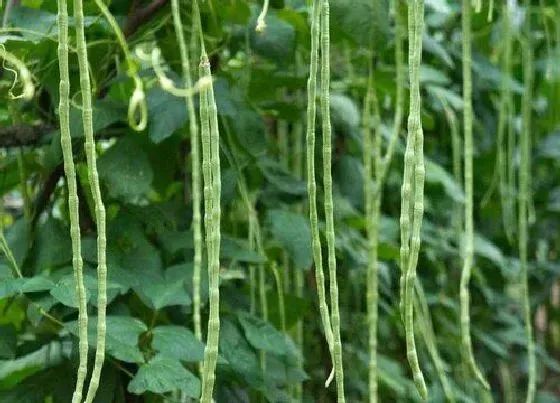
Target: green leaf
x,y
349,176
105,113
239,354
10,287
162,375
126,170
159,293
436,174
65,290
429,74
276,42
18,237
262,335
483,247
166,114
177,342
280,178
293,232
121,339
238,249
8,342
53,246
345,115
364,22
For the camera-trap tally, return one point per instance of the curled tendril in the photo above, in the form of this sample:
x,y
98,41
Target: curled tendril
x,y
261,23
136,105
169,86
24,75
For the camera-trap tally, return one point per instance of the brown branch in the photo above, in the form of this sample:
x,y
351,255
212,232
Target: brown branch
x,y
139,16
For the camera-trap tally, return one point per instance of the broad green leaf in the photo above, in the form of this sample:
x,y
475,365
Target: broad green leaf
x,y
436,174
10,287
280,178
429,74
8,342
242,359
238,249
159,293
276,42
162,375
52,245
122,336
294,234
349,176
65,290
178,343
262,335
484,247
166,114
126,170
345,115
364,22
18,237
105,113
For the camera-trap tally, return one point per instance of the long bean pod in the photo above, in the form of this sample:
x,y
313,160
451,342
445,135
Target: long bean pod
x,y
212,191
195,164
73,201
311,182
328,196
87,118
469,226
416,171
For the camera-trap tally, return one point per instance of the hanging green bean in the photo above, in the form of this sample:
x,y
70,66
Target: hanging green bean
x,y
311,183
212,190
195,157
87,117
414,169
328,195
73,208
469,228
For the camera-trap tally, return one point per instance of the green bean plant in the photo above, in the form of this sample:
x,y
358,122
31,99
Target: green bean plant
x,y
222,188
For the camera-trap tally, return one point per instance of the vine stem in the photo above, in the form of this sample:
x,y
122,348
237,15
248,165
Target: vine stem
x,y
138,100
